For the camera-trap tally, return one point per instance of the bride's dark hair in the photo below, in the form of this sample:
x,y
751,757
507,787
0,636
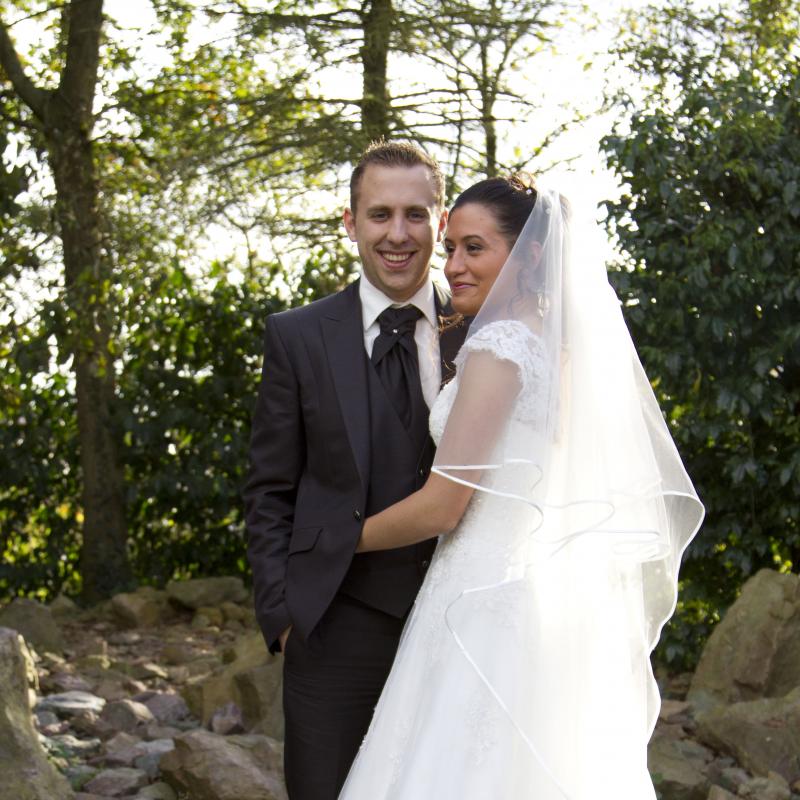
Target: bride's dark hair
x,y
510,201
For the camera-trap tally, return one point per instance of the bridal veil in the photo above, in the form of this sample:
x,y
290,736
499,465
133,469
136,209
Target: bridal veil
x,y
604,508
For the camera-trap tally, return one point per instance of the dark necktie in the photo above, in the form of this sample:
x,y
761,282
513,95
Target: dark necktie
x,y
394,355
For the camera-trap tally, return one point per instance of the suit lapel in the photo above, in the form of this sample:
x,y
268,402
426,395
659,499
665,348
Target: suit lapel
x,y
452,337
343,338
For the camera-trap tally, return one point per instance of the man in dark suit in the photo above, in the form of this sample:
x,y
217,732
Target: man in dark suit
x,y
340,433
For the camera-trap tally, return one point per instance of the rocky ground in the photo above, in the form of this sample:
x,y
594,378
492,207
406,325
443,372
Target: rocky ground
x,y
169,695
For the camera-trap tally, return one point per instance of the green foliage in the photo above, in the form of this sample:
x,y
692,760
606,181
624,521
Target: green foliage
x,y
710,227
186,387
39,488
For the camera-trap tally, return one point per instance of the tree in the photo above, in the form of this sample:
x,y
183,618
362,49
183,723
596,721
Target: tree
x,y
63,117
710,235
475,46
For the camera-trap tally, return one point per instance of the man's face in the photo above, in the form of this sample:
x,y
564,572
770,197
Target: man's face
x,y
396,225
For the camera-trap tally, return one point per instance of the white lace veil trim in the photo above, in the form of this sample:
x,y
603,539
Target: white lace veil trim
x,y
589,453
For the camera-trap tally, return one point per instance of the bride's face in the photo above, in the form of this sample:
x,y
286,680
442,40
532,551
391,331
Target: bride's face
x,y
476,251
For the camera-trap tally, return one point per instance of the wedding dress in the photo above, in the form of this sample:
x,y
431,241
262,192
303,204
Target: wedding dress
x,y
523,671
554,665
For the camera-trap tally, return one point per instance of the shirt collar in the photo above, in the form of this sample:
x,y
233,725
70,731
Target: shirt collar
x,y
374,302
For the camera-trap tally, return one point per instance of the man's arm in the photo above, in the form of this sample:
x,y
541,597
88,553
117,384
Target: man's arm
x,y
277,448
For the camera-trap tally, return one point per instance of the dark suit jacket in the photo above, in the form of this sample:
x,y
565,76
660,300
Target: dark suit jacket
x,y
310,458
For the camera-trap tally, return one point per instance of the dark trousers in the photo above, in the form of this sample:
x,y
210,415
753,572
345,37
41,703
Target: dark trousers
x,y
331,685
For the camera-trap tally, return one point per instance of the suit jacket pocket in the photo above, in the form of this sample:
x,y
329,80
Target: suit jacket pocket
x,y
303,539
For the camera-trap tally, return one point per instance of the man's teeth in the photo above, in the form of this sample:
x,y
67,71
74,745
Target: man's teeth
x,y
396,256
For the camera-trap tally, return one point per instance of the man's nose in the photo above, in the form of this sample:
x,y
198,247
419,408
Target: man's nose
x,y
397,229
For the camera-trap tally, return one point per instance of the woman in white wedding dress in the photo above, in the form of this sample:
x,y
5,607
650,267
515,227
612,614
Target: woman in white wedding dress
x,y
563,508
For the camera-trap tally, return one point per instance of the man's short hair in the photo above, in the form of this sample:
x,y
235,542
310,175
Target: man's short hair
x,y
396,154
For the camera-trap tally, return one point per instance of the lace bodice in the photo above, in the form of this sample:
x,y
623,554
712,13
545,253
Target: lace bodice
x,y
511,341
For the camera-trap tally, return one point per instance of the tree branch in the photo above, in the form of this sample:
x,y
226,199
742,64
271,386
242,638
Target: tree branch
x,y
79,77
30,94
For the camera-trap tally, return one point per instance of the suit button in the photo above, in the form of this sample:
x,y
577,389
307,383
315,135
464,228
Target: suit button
x,y
426,564
421,473
357,515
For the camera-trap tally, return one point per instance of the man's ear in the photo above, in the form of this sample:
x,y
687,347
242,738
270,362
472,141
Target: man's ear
x,y
442,225
350,224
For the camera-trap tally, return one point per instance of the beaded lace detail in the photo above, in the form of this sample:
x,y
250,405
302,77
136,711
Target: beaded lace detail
x,y
508,340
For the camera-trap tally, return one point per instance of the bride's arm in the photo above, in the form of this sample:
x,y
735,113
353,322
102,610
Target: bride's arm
x,y
486,394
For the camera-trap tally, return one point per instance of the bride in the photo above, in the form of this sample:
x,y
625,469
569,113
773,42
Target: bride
x,y
563,510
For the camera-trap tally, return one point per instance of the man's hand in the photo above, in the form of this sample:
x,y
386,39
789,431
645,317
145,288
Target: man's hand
x,y
283,637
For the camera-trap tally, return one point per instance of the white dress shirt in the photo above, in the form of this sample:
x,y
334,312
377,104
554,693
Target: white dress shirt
x,y
426,335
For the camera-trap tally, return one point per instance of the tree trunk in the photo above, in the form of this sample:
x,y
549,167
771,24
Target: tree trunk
x,y
104,564
375,106
64,116
487,93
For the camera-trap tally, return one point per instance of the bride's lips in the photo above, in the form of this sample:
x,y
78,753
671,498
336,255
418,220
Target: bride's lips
x,y
456,288
396,261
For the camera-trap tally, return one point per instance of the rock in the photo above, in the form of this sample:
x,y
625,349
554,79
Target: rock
x,y
36,624
151,755
755,650
673,710
210,767
45,719
213,615
95,663
166,707
111,687
762,735
126,715
203,665
201,592
79,775
67,682
64,608
678,772
718,793
253,681
261,693
91,644
226,720
125,638
121,741
773,787
155,731
71,746
178,675
121,756
69,704
201,621
117,782
233,611
176,653
141,670
26,772
732,778
90,724
140,609
157,791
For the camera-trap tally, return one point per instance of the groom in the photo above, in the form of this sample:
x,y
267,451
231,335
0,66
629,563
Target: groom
x,y
340,433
